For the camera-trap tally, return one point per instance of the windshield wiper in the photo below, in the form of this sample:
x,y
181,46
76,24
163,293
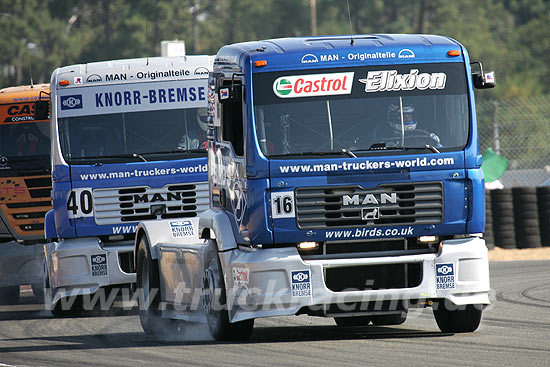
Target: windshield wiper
x,y
337,152
26,160
130,155
177,151
382,146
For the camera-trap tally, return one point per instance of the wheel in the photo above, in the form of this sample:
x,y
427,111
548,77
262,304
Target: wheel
x,y
214,301
352,321
392,319
149,297
72,306
458,321
9,295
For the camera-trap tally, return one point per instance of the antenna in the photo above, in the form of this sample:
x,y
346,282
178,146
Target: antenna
x,y
350,29
30,73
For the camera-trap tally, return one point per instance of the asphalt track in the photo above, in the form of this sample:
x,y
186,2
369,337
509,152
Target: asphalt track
x,y
515,332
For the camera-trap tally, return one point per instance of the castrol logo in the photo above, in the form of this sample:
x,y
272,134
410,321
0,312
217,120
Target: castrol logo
x,y
313,85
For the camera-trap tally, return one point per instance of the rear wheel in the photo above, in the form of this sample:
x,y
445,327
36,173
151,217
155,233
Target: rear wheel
x,y
149,300
9,295
352,321
214,301
458,321
392,319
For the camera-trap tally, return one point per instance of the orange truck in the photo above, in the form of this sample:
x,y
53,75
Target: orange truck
x,y
25,189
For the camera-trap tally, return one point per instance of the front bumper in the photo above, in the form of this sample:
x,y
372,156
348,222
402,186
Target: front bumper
x,y
275,282
83,265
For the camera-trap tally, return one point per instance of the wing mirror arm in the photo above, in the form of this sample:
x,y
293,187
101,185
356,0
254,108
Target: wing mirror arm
x,y
482,80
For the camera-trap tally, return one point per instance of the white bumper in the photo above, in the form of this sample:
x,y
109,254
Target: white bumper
x,y
82,266
260,283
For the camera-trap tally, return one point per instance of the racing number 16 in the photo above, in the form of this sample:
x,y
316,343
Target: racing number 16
x,y
282,204
79,203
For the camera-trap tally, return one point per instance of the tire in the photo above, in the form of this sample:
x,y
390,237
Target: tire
x,y
72,306
458,321
9,295
501,196
352,321
214,301
68,307
394,319
149,297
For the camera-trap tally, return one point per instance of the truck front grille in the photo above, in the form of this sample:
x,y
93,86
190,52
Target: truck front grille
x,y
24,202
134,204
355,206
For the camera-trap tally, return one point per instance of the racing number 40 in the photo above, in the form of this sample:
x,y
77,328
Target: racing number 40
x,y
79,203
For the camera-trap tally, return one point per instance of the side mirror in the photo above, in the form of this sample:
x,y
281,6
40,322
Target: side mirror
x,y
42,109
483,80
230,94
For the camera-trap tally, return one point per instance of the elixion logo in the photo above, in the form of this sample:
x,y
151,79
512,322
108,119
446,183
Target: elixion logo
x,y
389,80
313,85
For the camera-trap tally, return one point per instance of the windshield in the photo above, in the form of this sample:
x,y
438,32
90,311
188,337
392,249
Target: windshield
x,y
362,109
121,134
24,139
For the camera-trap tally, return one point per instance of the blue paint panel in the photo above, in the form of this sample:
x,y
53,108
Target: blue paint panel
x,y
476,222
151,174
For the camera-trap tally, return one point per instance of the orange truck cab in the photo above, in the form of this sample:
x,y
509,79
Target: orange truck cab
x,y
25,189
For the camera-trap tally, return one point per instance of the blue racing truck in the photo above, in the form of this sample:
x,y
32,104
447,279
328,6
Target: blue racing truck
x,y
128,145
345,182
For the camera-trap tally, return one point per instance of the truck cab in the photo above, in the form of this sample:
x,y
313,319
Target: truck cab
x,y
25,186
128,145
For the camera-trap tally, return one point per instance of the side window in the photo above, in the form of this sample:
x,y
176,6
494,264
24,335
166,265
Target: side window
x,y
232,121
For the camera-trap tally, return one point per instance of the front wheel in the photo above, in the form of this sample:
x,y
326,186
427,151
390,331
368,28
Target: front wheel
x,y
215,304
458,321
149,298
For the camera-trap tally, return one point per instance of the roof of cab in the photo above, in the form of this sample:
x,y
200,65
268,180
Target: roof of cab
x,y
22,92
95,72
344,48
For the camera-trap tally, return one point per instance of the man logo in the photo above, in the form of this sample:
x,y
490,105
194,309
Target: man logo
x,y
94,78
201,71
406,54
71,102
370,213
309,59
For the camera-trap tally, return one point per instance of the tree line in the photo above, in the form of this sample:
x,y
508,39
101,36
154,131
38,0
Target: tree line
x,y
510,36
